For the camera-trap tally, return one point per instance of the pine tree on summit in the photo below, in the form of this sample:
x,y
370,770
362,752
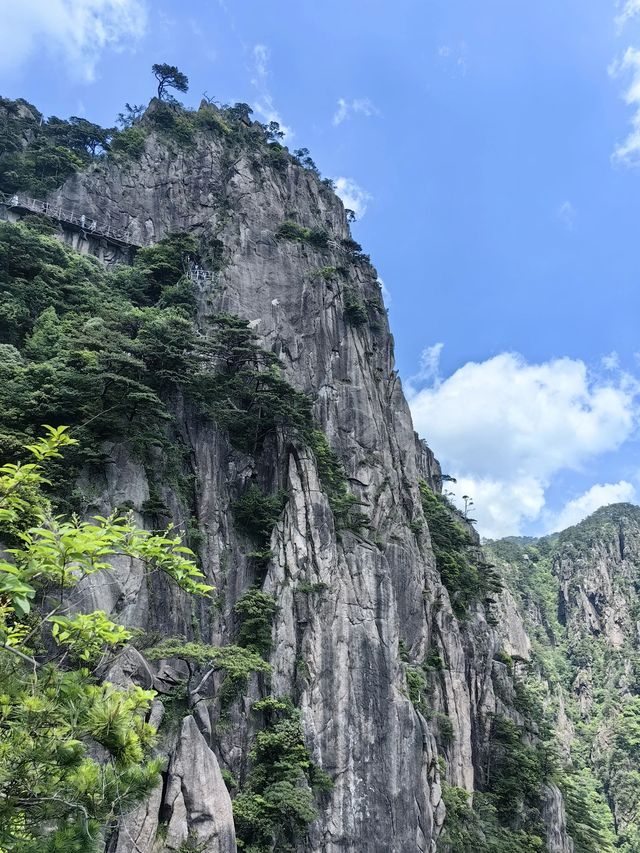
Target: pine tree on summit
x,y
169,77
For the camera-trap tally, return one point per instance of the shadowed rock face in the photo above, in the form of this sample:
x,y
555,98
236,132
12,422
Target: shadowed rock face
x,y
374,592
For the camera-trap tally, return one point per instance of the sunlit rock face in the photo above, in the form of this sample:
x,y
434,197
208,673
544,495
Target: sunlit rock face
x,y
355,610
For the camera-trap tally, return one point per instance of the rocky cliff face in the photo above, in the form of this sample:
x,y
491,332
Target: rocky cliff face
x,y
365,640
578,594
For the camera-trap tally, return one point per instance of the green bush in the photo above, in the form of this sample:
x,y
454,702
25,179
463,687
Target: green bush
x,y
38,155
589,820
292,231
95,348
256,610
416,686
256,514
455,559
237,663
274,808
317,237
517,771
327,273
276,157
209,118
445,729
173,123
247,395
477,829
334,482
354,311
130,142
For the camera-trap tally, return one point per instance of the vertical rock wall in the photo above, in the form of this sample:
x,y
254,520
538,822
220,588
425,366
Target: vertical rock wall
x,y
379,605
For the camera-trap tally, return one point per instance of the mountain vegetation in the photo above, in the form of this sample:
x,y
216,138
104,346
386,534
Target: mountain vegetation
x,y
357,664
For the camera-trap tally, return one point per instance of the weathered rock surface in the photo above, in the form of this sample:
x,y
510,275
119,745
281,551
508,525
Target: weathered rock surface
x,y
194,805
555,819
337,650
196,796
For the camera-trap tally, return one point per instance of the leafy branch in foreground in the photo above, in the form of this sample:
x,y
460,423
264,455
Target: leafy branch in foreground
x,y
54,714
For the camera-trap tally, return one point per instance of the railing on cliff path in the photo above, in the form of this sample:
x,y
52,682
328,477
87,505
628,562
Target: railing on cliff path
x,y
90,227
81,221
197,273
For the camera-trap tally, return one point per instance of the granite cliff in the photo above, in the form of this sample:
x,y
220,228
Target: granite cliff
x,y
410,672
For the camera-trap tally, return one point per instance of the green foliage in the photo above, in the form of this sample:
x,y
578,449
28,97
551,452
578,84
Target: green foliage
x,y
462,828
445,729
505,658
467,579
627,729
416,685
433,661
173,123
161,268
87,635
403,651
354,251
516,771
332,476
37,155
131,115
169,77
237,663
277,157
61,553
589,820
311,588
275,806
130,143
248,396
209,118
305,160
256,514
478,829
604,753
105,349
317,237
229,780
100,350
54,715
256,610
354,311
507,816
327,273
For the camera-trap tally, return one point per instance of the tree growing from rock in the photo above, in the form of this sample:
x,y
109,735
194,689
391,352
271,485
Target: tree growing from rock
x,y
169,77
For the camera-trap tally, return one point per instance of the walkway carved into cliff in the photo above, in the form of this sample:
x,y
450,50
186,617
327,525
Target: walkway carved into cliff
x,y
89,226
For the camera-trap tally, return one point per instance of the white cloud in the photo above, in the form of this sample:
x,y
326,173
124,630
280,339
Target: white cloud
x,y
264,105
347,108
428,371
504,428
629,9
78,32
566,215
611,361
353,196
597,496
627,152
386,293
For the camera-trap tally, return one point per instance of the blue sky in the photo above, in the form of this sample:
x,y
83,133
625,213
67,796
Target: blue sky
x,y
493,146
